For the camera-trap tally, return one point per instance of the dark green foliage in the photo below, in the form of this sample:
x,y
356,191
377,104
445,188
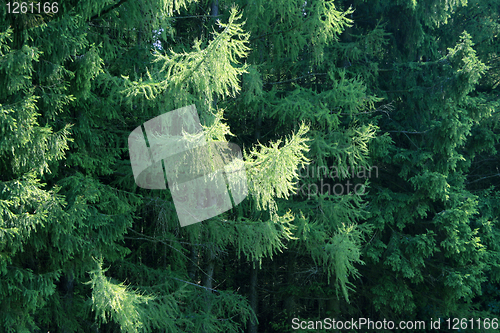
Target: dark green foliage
x,y
399,99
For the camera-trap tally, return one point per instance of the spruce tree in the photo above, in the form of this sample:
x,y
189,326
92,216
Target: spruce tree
x,y
75,82
431,254
369,132
297,74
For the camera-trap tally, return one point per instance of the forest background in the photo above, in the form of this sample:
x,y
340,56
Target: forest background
x,y
408,89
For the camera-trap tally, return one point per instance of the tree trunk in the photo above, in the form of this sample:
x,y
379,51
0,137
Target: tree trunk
x,y
215,8
208,282
254,297
289,304
192,263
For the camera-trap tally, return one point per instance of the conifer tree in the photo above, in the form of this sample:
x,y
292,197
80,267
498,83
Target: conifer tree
x,y
369,131
68,198
431,254
295,74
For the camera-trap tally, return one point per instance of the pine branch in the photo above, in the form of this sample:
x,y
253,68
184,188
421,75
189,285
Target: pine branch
x,y
196,16
482,178
386,108
296,79
411,141
194,284
407,132
398,91
155,240
276,32
107,10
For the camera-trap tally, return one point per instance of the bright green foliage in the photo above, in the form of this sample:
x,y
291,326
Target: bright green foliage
x,y
269,176
114,301
199,74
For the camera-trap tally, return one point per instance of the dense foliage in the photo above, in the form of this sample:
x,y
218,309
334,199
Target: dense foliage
x,y
369,129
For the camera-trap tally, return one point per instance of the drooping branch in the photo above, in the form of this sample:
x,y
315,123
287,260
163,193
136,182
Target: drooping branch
x,y
108,9
296,79
482,178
